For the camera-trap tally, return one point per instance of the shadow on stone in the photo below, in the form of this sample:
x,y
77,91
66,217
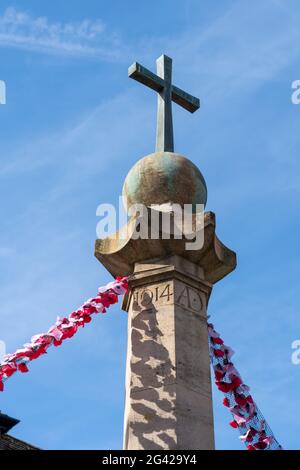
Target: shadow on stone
x,y
155,392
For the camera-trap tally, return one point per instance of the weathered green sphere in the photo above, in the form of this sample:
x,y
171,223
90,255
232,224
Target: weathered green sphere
x,y
164,177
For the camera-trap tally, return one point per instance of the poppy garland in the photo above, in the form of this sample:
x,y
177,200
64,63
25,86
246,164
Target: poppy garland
x,y
64,328
247,418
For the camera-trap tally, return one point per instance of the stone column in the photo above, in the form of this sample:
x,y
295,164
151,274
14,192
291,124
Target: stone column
x,y
168,386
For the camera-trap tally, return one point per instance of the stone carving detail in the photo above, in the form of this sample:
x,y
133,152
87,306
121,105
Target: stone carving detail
x,y
159,294
190,298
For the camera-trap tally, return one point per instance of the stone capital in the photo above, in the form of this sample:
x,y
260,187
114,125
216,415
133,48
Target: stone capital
x,y
158,271
120,252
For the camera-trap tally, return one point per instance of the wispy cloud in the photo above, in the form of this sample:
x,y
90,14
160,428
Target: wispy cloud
x,y
239,49
87,38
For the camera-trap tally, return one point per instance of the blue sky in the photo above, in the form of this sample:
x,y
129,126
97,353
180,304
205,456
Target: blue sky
x,y
73,126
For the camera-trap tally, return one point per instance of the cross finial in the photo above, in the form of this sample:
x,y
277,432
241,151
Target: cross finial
x,y
162,83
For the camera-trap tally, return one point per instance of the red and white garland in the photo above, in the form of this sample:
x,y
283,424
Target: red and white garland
x,y
254,430
64,328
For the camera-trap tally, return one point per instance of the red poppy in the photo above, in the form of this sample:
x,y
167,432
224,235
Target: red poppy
x,y
226,402
219,353
109,298
234,424
89,310
240,400
236,382
9,370
219,375
250,447
23,368
224,387
251,434
87,319
217,340
260,445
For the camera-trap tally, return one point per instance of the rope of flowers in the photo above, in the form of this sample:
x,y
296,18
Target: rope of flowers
x,y
247,418
64,328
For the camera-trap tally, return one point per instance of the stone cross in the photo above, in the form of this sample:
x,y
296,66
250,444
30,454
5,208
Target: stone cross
x,y
162,83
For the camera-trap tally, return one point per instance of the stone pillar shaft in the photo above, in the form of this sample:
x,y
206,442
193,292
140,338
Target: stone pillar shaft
x,y
168,385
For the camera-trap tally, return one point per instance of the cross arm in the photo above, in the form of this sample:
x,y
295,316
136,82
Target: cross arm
x,y
185,100
145,76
